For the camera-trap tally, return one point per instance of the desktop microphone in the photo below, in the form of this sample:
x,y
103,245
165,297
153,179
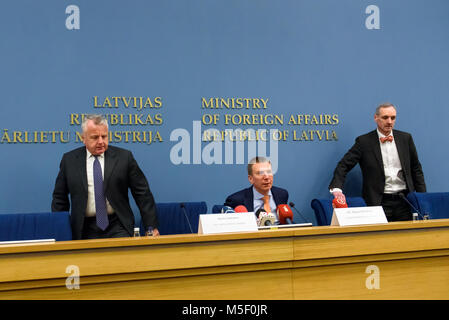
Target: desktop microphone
x,y
183,207
240,208
339,203
293,206
410,204
257,213
264,218
227,209
285,214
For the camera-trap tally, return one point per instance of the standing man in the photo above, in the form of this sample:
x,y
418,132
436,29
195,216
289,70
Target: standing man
x,y
97,177
389,163
262,193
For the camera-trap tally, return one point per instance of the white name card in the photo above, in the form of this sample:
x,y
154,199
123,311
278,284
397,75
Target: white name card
x,y
227,222
358,216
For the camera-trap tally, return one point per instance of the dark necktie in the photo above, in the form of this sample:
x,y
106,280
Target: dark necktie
x,y
100,200
385,139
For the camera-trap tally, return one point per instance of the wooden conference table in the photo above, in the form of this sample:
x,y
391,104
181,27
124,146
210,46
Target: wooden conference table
x,y
400,260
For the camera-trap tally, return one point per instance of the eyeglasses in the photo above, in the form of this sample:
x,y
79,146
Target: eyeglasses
x,y
264,172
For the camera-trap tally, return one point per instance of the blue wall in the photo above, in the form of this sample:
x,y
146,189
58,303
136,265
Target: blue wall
x,y
312,57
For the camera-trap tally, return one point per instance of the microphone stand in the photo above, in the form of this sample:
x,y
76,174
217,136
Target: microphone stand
x,y
293,206
183,207
423,217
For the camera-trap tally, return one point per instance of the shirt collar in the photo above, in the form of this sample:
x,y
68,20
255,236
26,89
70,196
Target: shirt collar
x,y
88,155
381,135
258,195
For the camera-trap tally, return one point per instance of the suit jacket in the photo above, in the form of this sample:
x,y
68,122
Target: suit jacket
x,y
245,197
366,152
121,172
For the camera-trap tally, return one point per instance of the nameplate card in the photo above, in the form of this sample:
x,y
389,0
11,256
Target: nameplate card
x,y
227,222
34,241
358,216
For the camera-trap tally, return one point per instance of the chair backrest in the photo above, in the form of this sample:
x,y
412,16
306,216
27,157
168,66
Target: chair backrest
x,y
217,208
33,226
323,208
172,218
435,204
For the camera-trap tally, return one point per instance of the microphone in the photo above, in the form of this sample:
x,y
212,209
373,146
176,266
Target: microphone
x,y
339,203
240,208
227,209
410,204
183,207
257,213
264,218
285,214
293,206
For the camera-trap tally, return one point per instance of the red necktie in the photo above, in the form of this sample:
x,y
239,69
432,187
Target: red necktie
x,y
389,138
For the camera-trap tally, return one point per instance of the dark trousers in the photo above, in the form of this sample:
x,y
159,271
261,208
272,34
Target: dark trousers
x,y
115,229
395,208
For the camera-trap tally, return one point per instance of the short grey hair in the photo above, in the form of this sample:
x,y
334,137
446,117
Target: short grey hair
x,y
98,119
384,105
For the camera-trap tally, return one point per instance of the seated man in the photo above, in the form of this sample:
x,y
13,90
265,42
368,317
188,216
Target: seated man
x,y
262,194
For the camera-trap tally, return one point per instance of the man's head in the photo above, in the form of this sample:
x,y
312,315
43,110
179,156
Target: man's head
x,y
385,118
95,134
260,174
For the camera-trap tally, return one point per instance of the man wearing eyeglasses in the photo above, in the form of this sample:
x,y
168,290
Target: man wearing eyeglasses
x,y
262,193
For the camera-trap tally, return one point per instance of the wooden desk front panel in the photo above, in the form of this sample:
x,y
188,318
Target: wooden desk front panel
x,y
410,263
419,278
307,263
237,269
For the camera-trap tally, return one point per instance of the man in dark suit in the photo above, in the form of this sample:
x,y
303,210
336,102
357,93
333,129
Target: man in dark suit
x,y
262,193
389,163
100,207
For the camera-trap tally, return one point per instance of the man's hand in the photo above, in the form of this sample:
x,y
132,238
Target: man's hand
x,y
339,196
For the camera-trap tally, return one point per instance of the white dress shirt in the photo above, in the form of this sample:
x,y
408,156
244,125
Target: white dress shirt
x,y
90,210
394,177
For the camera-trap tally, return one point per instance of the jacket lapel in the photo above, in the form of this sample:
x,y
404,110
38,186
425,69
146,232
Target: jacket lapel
x,y
81,164
110,160
376,149
275,197
249,199
401,147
